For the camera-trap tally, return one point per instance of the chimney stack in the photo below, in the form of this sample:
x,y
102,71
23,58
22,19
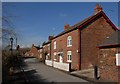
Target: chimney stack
x,y
32,45
50,37
97,9
66,26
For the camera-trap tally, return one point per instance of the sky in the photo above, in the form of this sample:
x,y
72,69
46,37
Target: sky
x,y
35,21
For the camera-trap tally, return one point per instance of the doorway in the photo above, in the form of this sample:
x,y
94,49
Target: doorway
x,y
61,57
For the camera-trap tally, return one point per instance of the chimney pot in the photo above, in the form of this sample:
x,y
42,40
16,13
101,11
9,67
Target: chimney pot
x,y
97,9
50,37
66,26
32,45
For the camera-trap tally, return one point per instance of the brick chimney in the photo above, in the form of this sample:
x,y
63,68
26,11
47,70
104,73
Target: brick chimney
x,y
66,26
97,9
50,37
32,45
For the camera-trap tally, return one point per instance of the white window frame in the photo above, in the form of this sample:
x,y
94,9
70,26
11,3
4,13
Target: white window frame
x,y
55,54
118,59
47,56
69,53
44,46
54,44
69,41
40,50
40,56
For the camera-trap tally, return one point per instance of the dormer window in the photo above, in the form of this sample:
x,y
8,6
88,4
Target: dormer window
x,y
69,41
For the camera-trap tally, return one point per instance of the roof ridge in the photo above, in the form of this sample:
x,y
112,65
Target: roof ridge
x,y
86,21
75,25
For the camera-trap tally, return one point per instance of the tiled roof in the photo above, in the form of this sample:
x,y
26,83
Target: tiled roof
x,y
114,39
81,22
45,43
74,26
85,21
37,47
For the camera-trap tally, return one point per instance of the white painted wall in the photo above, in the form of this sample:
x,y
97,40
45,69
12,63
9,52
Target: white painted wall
x,y
62,66
48,62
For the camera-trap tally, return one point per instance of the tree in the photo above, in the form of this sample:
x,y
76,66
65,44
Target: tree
x,y
8,31
8,27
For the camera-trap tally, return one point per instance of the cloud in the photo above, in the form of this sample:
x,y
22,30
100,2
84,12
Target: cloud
x,y
63,15
53,28
25,45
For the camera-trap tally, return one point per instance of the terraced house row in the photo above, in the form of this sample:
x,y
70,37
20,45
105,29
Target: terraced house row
x,y
78,47
77,44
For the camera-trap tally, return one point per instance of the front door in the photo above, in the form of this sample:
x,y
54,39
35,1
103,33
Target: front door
x,y
60,57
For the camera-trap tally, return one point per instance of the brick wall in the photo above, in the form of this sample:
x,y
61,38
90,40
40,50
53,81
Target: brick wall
x,y
40,55
33,51
92,35
61,44
108,69
46,50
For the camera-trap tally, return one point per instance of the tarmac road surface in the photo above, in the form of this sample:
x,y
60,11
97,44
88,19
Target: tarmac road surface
x,y
39,72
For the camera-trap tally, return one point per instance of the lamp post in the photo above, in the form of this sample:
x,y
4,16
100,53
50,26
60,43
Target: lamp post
x,y
11,41
11,64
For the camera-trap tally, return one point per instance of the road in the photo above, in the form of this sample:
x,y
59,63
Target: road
x,y
39,72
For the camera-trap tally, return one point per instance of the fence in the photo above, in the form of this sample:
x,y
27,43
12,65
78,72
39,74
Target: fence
x,y
48,62
59,65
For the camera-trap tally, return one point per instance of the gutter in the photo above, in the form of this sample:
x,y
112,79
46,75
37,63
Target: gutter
x,y
79,49
105,46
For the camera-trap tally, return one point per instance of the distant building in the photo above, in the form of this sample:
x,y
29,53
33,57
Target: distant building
x,y
22,51
47,48
109,56
35,51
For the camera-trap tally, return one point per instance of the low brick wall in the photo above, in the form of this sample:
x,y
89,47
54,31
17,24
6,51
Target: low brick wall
x,y
48,62
62,66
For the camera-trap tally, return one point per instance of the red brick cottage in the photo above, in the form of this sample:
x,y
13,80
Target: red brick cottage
x,y
109,56
33,52
77,43
47,48
40,54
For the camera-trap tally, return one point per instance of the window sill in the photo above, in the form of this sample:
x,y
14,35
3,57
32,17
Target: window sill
x,y
55,59
69,61
69,45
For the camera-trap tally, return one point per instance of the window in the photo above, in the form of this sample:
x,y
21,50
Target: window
x,y
118,59
32,54
47,56
40,50
54,55
48,46
40,56
69,41
55,45
69,56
